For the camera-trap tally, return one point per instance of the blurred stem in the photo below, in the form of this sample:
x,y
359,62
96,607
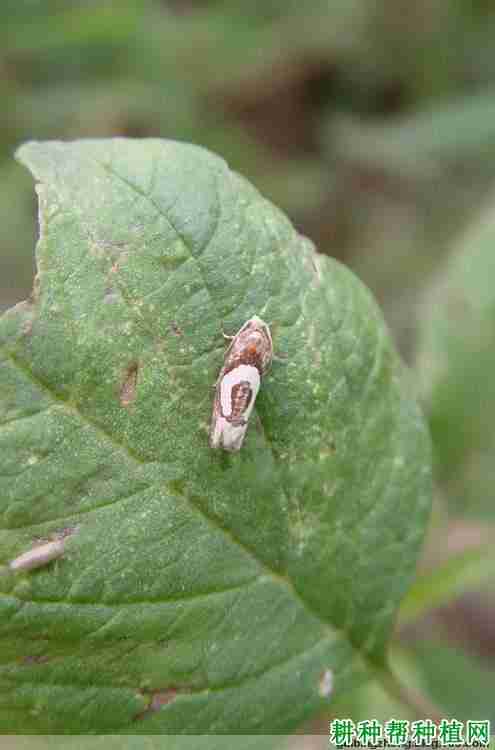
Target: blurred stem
x,y
466,571
419,706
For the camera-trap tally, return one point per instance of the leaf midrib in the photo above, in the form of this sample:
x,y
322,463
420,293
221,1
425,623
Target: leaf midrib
x,y
330,629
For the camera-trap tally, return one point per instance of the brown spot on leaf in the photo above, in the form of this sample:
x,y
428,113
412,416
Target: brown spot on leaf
x,y
128,387
175,328
40,659
27,327
162,698
159,698
66,531
328,450
35,292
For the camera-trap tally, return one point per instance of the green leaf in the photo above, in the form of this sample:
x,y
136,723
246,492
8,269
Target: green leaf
x,y
199,592
458,682
450,681
423,144
377,700
462,573
17,237
456,360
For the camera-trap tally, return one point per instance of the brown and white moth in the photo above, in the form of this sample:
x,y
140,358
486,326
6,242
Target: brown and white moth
x,y
247,360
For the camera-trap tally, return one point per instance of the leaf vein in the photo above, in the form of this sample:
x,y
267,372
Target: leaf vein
x,y
110,170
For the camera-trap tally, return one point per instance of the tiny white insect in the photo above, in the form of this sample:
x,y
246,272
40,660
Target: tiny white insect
x,y
247,360
39,556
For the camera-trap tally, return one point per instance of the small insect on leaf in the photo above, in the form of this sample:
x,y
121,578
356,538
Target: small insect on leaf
x,y
39,556
247,360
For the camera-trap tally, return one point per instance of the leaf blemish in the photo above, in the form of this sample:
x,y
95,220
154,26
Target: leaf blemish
x,y
28,660
110,296
67,531
327,451
128,387
175,328
325,686
316,268
35,292
158,699
27,327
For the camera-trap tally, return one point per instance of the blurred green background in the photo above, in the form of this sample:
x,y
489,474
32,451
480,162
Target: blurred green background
x,y
371,123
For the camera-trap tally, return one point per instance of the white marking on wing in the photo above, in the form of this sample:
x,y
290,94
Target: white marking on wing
x,y
246,373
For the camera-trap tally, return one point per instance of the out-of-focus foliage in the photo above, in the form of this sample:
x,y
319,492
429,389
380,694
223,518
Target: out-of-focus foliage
x,y
372,124
457,360
455,680
319,104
